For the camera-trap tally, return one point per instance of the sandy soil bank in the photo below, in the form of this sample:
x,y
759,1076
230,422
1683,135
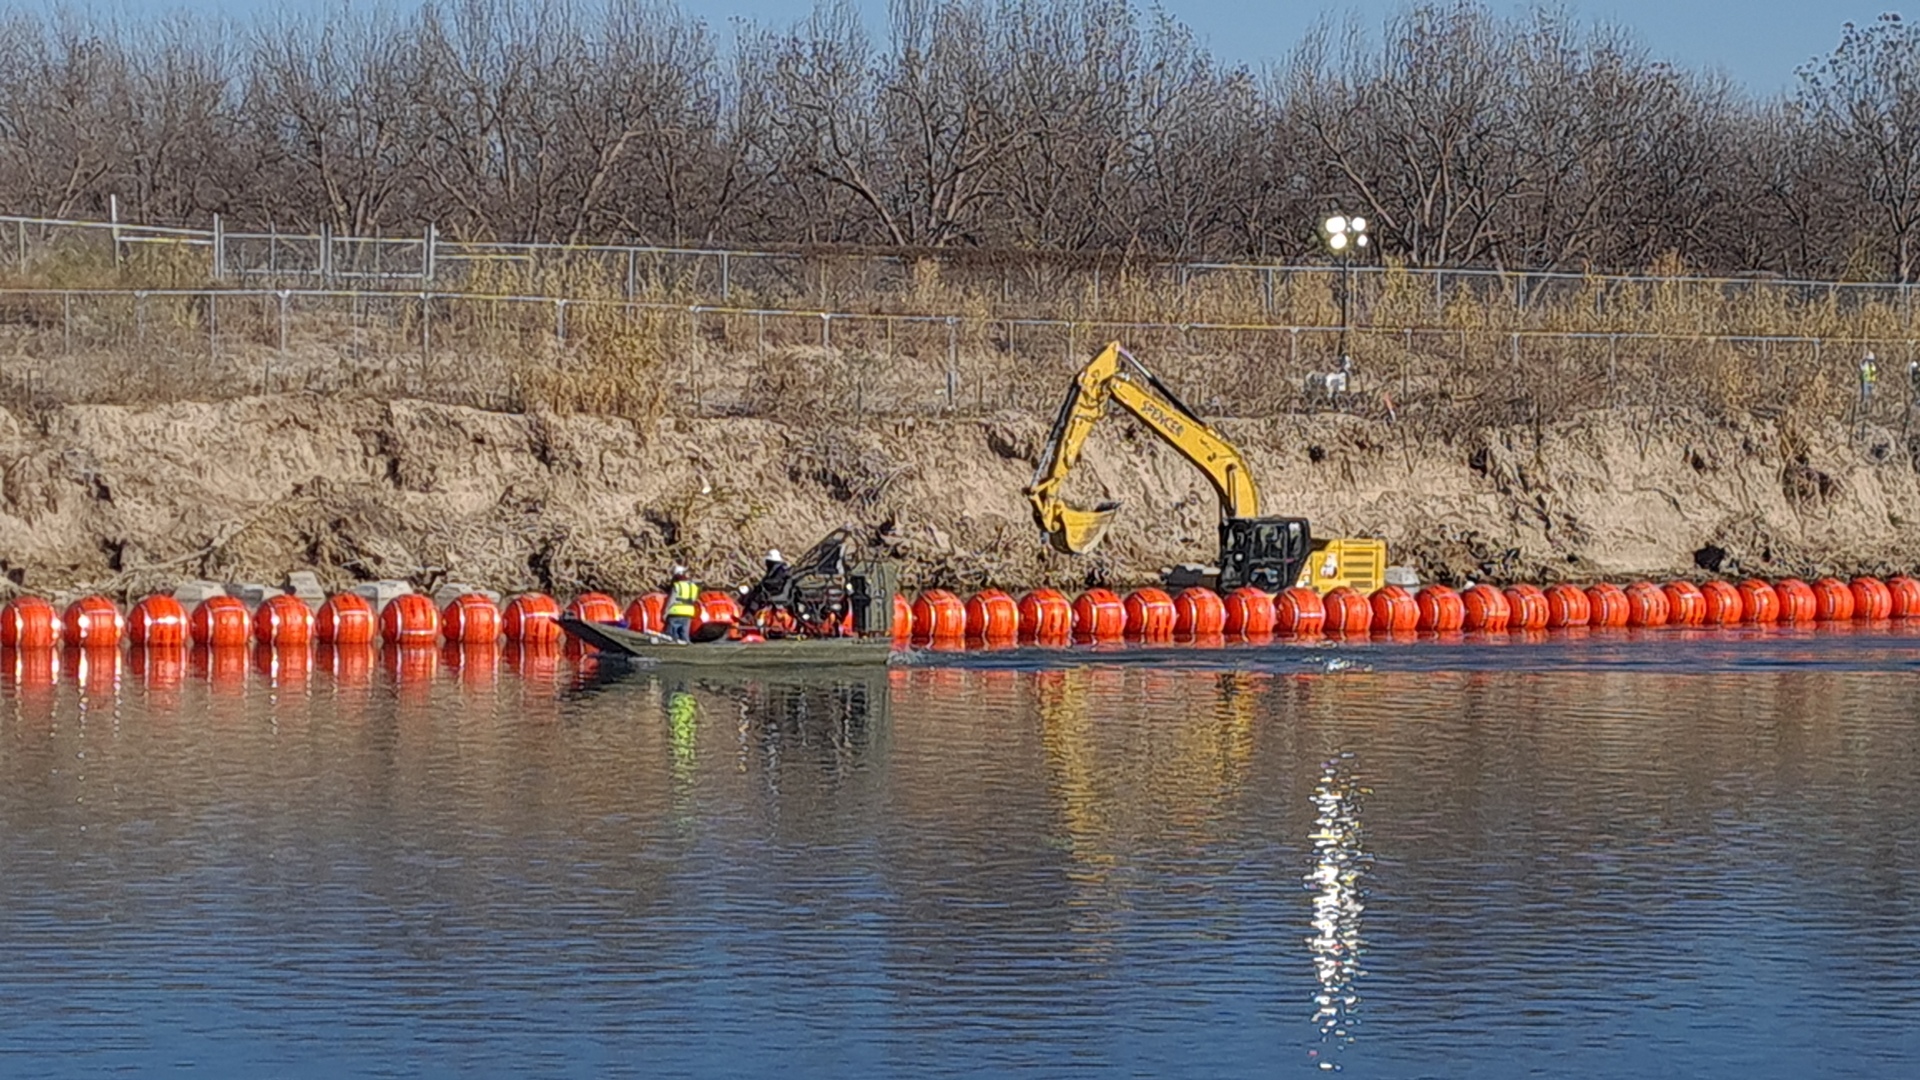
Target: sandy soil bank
x,y
131,499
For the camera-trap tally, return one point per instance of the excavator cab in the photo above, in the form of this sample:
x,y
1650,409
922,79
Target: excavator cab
x,y
1267,553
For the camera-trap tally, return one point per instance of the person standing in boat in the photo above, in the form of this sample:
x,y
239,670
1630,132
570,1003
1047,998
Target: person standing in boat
x,y
683,600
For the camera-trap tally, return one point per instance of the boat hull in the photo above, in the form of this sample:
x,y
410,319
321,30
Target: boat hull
x,y
639,645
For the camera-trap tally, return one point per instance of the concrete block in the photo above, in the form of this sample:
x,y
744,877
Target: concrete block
x,y
190,593
453,590
251,593
377,593
305,584
1404,576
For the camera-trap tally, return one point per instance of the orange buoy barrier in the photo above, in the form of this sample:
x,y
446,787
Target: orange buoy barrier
x,y
1723,602
1439,608
1251,612
1647,605
1484,607
1832,600
220,621
1394,610
1606,604
410,619
1298,611
647,612
1150,615
344,619
1686,605
1199,612
28,622
1872,599
534,617
1046,617
902,620
1527,607
93,621
1099,615
1348,611
938,615
283,620
1567,605
1758,602
158,620
715,615
594,607
1904,595
1797,601
993,617
470,619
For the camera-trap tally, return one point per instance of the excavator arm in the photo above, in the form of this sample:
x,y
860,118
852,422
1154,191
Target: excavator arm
x,y
1115,376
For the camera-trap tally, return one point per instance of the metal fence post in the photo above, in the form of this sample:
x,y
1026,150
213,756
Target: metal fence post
x,y
283,322
66,322
20,239
429,261
560,321
826,330
726,277
953,362
219,248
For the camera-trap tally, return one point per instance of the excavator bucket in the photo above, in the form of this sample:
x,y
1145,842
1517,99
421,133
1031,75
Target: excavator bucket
x,y
1076,532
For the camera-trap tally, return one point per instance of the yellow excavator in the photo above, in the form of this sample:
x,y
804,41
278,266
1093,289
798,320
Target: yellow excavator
x,y
1270,553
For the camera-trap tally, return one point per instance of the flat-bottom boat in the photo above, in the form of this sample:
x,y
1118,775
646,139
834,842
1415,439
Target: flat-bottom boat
x,y
658,648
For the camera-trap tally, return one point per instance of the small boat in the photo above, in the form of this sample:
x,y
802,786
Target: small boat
x,y
647,645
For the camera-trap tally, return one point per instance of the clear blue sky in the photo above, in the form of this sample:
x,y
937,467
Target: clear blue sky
x,y
1758,43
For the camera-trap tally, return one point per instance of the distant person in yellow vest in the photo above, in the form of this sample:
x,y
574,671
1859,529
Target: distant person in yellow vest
x,y
683,600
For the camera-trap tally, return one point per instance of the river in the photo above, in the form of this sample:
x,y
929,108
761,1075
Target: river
x,y
1676,854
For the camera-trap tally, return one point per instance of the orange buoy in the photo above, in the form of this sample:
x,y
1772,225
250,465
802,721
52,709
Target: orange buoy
x,y
1099,615
1299,612
1150,615
220,621
1832,600
344,619
902,620
93,621
1758,602
1199,612
1722,603
1686,606
1647,605
28,622
1528,607
410,619
594,607
283,620
715,615
1871,598
938,615
158,620
1439,608
1394,610
648,612
1606,604
1567,605
470,619
1046,617
534,618
1251,612
1348,611
992,616
1484,607
1797,601
1903,594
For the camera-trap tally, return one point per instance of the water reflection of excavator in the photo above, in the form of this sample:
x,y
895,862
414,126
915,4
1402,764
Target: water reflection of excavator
x,y
1271,553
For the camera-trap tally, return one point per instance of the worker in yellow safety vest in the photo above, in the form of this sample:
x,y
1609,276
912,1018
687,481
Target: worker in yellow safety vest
x,y
683,600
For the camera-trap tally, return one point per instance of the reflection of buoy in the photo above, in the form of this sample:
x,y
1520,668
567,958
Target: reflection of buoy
x,y
1099,615
1198,612
1686,605
1832,600
345,619
349,662
1299,612
1347,611
1723,604
409,619
1439,609
470,619
157,667
1046,617
283,620
93,621
220,621
1647,605
29,622
224,667
1872,598
1527,607
286,665
96,668
411,665
158,620
1567,605
1797,601
31,668
533,617
1150,615
1394,610
1484,607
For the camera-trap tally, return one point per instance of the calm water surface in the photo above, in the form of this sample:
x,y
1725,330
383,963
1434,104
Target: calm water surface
x,y
1608,856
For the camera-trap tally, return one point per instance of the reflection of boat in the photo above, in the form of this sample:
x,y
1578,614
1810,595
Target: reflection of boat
x,y
643,645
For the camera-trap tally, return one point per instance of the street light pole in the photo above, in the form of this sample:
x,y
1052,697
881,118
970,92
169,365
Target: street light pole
x,y
1344,235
